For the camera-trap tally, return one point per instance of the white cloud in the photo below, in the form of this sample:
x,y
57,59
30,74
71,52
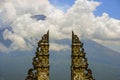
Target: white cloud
x,y
107,28
80,18
112,44
8,12
3,48
58,47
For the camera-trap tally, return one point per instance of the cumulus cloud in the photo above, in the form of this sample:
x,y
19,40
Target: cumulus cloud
x,y
108,27
80,18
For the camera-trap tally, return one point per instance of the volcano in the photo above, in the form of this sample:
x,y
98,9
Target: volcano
x,y
103,62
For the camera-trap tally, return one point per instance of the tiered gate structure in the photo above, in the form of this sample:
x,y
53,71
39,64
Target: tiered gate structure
x,y
40,70
79,64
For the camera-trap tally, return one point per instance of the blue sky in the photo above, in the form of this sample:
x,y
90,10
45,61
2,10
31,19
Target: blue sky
x,y
109,6
62,2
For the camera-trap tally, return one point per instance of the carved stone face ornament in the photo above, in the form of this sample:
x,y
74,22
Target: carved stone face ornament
x,y
43,76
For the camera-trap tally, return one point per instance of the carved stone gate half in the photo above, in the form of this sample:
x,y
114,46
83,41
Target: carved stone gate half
x,y
40,70
79,64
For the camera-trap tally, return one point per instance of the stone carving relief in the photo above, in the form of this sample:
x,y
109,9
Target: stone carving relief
x,y
79,68
40,62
